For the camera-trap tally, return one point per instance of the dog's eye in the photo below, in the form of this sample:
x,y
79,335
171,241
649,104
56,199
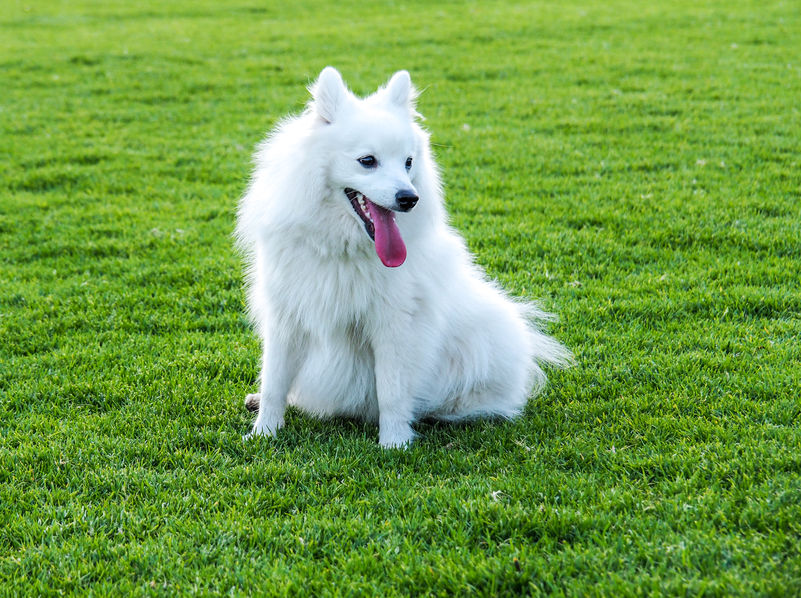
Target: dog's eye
x,y
408,163
368,161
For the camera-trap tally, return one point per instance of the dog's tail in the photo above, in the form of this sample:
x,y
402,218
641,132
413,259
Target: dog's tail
x,y
544,349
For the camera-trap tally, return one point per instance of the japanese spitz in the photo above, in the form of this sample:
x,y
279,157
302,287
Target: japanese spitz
x,y
367,302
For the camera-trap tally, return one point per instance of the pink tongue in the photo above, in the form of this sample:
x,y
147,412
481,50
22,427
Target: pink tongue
x,y
388,243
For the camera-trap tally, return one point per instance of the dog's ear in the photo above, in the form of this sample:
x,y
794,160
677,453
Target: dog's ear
x,y
401,92
328,93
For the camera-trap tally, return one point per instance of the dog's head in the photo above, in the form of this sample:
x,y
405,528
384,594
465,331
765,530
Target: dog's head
x,y
374,144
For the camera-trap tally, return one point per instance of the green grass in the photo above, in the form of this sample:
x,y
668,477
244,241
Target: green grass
x,y
636,167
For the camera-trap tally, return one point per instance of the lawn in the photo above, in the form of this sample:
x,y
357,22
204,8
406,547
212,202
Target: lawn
x,y
634,167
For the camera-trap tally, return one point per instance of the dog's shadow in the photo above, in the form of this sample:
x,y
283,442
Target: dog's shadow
x,y
431,434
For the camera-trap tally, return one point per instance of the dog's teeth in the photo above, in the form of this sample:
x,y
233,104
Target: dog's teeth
x,y
361,199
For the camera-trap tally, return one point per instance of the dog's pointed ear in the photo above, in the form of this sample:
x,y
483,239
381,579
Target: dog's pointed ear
x,y
328,94
400,90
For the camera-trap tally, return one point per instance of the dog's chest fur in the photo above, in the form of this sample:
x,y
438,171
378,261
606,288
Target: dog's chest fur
x,y
339,295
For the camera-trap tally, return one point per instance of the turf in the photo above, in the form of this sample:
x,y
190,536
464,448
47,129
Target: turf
x,y
635,167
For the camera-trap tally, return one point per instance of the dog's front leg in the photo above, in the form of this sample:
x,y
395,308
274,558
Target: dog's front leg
x,y
395,403
276,378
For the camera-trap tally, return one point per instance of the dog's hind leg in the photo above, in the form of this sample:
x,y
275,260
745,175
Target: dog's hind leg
x,y
483,403
252,402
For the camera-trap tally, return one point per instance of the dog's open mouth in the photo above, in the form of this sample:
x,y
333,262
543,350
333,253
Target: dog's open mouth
x,y
380,225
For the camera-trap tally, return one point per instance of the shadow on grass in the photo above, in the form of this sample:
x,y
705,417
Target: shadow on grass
x,y
304,431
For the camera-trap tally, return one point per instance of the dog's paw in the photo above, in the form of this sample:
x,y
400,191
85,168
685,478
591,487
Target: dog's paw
x,y
396,444
267,427
398,435
252,402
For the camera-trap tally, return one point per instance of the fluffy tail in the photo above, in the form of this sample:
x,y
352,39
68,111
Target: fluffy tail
x,y
545,350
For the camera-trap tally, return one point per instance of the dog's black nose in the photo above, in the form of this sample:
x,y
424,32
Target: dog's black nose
x,y
406,199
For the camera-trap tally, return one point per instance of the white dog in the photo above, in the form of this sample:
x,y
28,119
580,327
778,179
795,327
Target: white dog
x,y
367,302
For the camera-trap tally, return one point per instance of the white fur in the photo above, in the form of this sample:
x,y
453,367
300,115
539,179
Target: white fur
x,y
342,333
